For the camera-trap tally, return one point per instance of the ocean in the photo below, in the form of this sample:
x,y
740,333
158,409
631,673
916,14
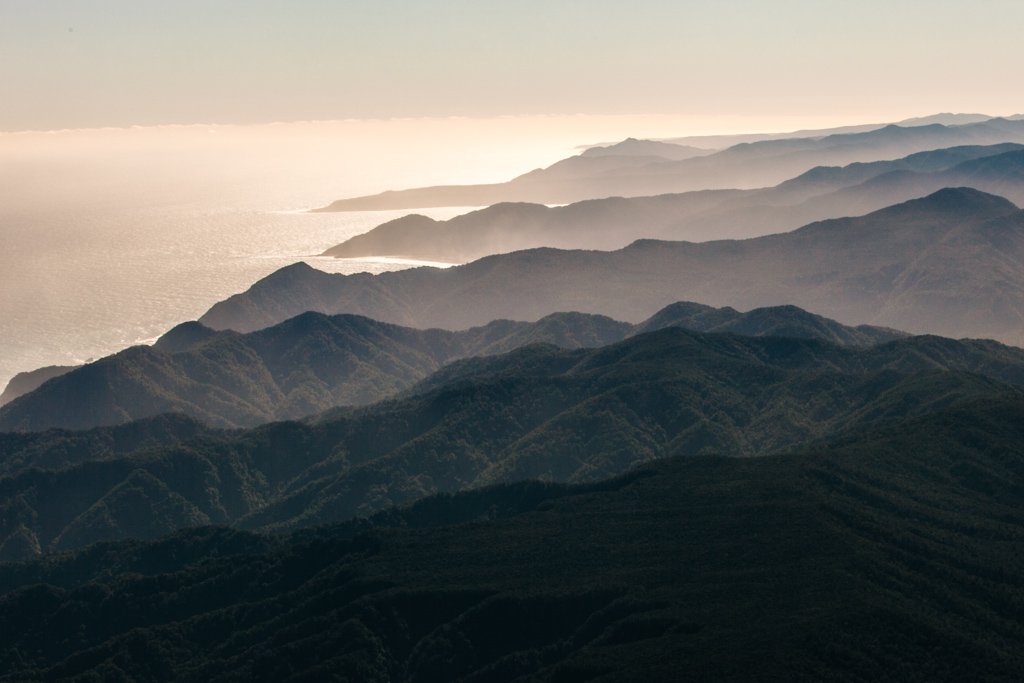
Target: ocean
x,y
109,238
78,288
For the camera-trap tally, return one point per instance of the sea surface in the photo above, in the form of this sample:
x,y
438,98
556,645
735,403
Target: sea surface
x,y
78,288
110,238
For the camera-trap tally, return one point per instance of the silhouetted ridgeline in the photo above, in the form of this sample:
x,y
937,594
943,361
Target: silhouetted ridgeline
x,y
314,362
611,223
950,264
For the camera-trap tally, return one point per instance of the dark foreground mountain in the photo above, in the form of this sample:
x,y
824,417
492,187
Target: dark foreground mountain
x,y
611,223
885,555
538,412
315,362
299,367
950,264
746,165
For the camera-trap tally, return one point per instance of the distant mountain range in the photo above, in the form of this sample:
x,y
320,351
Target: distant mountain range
x,y
728,140
823,192
949,263
537,412
314,362
887,553
746,165
646,148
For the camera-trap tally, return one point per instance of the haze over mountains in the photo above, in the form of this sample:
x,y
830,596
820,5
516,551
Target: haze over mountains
x,y
947,264
676,457
24,382
728,140
611,223
314,362
745,165
646,148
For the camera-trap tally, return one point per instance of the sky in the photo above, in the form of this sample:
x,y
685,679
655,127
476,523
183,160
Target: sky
x,y
95,63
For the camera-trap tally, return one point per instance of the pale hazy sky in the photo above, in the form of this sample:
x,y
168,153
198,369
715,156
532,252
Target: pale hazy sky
x,y
87,63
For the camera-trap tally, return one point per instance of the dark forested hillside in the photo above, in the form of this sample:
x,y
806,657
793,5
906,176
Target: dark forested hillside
x,y
57,448
315,362
296,368
539,412
885,554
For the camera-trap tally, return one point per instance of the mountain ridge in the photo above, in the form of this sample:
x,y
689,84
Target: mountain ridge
x,y
26,382
745,165
537,412
313,362
925,273
820,193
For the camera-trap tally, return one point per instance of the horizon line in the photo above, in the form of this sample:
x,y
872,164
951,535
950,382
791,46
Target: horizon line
x,y
459,117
